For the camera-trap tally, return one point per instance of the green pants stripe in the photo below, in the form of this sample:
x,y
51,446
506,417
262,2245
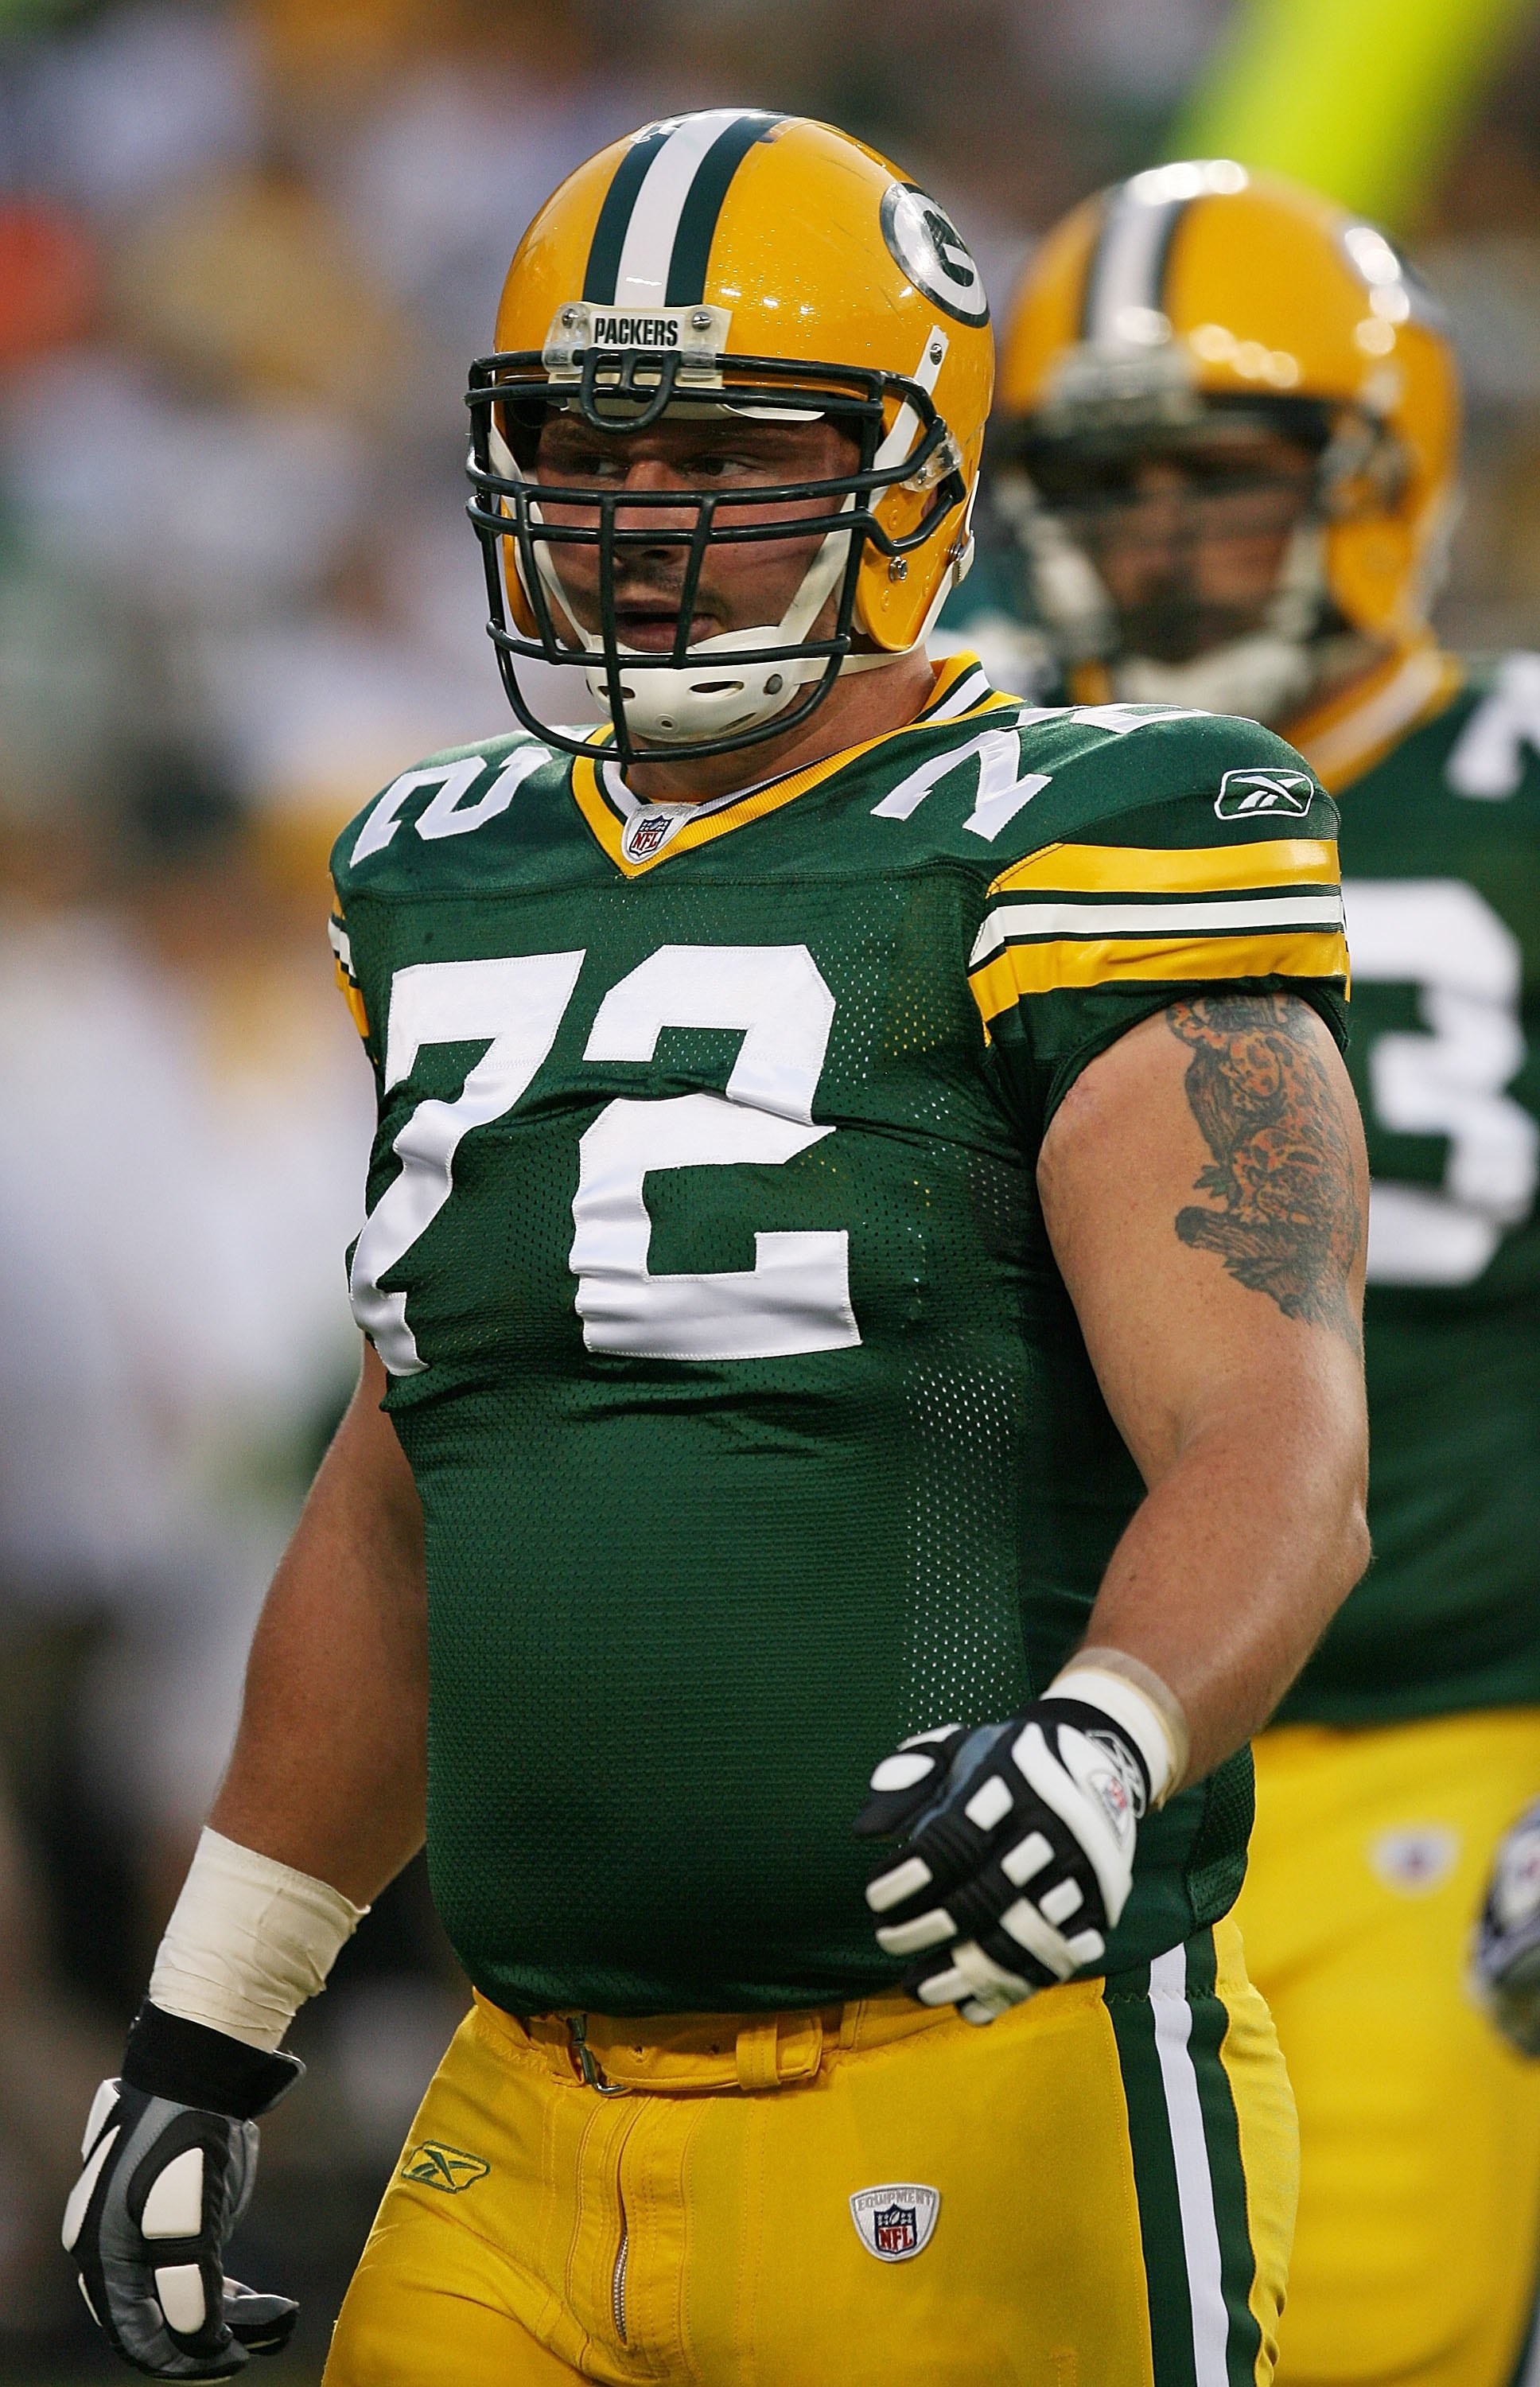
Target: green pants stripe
x,y
1169,2024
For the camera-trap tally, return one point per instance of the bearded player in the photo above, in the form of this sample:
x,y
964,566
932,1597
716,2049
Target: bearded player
x,y
861,1274
1227,441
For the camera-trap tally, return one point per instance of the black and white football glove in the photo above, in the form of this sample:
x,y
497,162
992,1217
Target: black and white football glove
x,y
1017,1856
171,2162
1507,1961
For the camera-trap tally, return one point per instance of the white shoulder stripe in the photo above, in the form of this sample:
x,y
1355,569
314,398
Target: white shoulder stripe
x,y
1200,2227
641,278
1313,909
970,690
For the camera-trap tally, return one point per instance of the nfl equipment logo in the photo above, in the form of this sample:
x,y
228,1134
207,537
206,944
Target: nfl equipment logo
x,y
894,2222
893,2231
645,836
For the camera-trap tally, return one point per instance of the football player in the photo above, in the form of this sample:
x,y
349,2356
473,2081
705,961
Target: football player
x,y
860,1287
1226,443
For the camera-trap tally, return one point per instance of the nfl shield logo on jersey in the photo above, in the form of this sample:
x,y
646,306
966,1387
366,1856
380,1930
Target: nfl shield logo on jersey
x,y
894,2222
645,835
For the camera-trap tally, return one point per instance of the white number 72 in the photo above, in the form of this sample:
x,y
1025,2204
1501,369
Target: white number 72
x,y
795,1298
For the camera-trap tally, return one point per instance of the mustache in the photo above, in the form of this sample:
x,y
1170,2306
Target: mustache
x,y
654,581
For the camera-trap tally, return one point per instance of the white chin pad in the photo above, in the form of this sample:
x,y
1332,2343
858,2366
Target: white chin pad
x,y
711,696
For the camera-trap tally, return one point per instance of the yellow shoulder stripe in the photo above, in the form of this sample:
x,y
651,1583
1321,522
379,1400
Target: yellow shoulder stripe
x,y
1163,870
1117,961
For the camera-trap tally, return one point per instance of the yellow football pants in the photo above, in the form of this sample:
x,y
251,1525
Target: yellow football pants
x,y
1419,2198
1096,2190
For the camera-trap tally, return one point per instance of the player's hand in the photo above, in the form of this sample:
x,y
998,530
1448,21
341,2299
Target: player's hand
x,y
1507,1940
165,2182
1016,1853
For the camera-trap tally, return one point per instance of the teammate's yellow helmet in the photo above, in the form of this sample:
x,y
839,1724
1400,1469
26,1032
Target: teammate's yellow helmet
x,y
1197,294
736,261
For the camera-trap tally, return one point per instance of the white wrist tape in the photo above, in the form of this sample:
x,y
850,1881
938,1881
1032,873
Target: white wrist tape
x,y
1135,1697
249,1941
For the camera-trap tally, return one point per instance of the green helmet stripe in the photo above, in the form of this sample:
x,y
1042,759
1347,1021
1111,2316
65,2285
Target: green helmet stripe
x,y
692,242
614,216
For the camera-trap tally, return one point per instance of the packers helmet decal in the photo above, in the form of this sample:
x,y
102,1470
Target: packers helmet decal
x,y
1195,298
730,263
933,253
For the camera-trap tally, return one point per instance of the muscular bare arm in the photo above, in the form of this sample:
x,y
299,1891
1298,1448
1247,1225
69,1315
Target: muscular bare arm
x,y
1205,1193
329,1765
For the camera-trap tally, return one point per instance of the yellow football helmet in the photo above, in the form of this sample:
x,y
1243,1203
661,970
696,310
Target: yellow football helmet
x,y
1197,299
737,262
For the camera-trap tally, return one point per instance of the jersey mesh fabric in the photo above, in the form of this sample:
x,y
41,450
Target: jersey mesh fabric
x,y
1441,857
679,1606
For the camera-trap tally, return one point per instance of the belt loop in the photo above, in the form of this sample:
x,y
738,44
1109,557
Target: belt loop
x,y
758,2055
777,2048
800,2050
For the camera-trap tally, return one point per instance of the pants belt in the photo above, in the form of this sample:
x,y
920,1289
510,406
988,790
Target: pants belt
x,y
678,2054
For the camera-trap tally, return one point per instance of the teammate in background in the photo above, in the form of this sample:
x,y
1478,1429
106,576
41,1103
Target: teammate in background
x,y
864,1250
1226,435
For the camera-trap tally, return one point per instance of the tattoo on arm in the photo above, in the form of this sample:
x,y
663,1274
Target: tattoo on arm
x,y
1287,1221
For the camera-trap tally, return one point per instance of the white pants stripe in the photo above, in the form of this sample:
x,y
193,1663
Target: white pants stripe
x,y
1200,2228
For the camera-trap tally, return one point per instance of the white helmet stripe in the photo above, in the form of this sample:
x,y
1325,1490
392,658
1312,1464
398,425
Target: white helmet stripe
x,y
1129,267
641,279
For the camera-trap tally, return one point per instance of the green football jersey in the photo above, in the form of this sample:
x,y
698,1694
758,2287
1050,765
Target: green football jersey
x,y
752,1423
1441,863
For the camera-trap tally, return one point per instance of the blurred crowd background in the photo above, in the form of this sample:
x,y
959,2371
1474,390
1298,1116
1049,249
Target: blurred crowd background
x,y
246,250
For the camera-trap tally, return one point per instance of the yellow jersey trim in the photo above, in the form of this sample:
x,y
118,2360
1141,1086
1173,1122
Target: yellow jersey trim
x,y
1346,737
1081,961
342,963
352,996
609,826
1159,870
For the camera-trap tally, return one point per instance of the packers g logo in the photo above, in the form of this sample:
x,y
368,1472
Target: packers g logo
x,y
433,2164
926,246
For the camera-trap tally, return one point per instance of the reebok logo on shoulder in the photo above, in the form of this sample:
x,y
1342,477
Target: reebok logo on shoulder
x,y
1244,792
450,2169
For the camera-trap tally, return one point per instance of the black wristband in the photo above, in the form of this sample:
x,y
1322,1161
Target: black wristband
x,y
169,2056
